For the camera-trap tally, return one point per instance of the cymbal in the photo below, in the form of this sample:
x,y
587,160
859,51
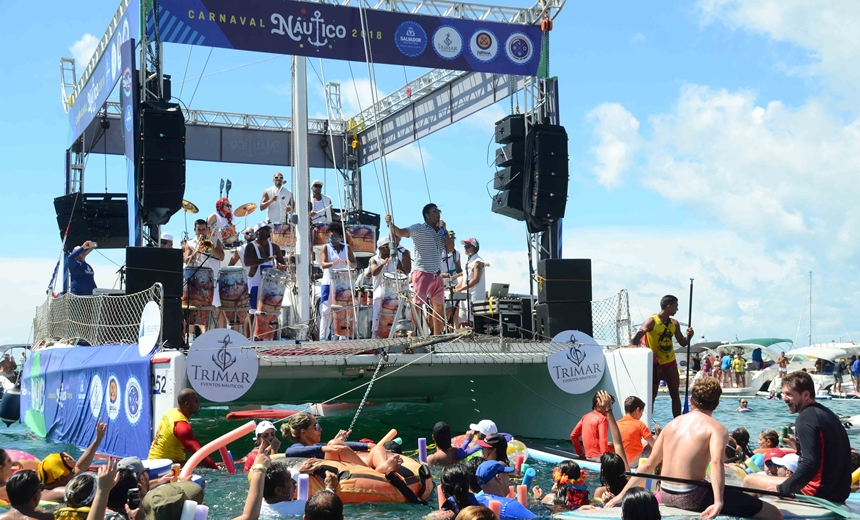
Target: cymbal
x,y
245,209
189,207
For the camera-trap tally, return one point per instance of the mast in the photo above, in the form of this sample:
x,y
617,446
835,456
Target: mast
x,y
303,190
810,307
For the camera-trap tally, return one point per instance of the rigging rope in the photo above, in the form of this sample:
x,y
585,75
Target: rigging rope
x,y
201,77
418,142
185,74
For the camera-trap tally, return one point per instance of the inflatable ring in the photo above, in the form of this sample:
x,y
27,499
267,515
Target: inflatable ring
x,y
744,410
516,448
26,460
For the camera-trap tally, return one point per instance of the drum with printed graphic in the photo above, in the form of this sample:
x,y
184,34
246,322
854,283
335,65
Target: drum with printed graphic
x,y
361,238
233,286
344,320
229,236
265,326
342,283
283,235
198,286
386,322
272,290
320,233
391,283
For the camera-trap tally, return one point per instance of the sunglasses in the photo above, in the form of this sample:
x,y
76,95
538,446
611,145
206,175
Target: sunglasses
x,y
228,205
317,427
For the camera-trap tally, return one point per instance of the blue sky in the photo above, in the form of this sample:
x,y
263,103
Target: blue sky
x,y
714,139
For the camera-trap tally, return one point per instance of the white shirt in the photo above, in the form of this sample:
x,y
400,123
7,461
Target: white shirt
x,y
322,216
390,267
256,280
291,508
280,197
211,262
479,291
6,382
332,256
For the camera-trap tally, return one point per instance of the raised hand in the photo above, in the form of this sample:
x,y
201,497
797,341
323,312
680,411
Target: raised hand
x,y
108,476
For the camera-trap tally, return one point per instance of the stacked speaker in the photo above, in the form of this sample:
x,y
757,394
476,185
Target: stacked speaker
x,y
533,173
147,265
161,167
564,297
101,217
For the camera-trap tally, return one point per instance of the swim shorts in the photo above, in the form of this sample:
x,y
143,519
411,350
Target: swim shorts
x,y
837,378
428,286
735,503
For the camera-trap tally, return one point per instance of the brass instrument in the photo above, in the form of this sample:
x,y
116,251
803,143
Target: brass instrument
x,y
205,245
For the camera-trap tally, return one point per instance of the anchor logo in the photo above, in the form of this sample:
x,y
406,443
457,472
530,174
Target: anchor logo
x,y
222,358
448,41
574,354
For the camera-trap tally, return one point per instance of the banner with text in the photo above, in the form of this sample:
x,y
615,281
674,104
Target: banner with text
x,y
107,72
336,32
129,94
65,391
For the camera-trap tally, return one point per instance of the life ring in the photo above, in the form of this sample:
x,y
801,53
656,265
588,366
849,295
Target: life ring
x,y
360,484
744,410
26,460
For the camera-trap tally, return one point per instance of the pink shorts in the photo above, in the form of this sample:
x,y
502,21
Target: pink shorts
x,y
428,285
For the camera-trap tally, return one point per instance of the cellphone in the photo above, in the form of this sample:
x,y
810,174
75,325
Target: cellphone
x,y
133,498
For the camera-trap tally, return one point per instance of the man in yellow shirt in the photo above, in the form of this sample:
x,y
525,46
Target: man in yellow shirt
x,y
658,331
175,436
738,367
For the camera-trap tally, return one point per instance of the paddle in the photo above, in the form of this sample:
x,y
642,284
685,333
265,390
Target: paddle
x,y
830,506
687,380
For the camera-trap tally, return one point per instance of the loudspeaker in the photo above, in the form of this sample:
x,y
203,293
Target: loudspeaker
x,y
367,218
509,204
555,317
550,170
510,178
168,91
511,128
101,217
162,161
564,280
171,322
144,266
513,153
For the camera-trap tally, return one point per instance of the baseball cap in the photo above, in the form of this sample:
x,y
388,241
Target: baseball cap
x,y
262,225
262,427
789,462
470,242
489,469
484,426
167,236
166,502
132,463
772,453
317,182
494,440
383,241
441,428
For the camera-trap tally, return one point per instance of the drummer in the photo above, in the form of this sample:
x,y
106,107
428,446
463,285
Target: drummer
x,y
196,253
238,257
380,264
263,255
277,200
335,255
321,212
222,221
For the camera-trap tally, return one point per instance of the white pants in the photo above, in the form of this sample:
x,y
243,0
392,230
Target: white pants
x,y
377,308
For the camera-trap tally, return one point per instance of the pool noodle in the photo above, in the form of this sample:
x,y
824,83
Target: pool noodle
x,y
525,467
512,492
855,476
752,466
228,460
304,485
523,495
519,463
201,512
440,495
189,509
528,476
496,508
207,450
399,441
388,437
422,450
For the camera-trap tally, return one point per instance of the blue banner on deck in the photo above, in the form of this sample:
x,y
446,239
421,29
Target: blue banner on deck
x,y
65,391
336,32
85,107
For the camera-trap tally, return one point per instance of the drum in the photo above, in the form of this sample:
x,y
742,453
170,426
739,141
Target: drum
x,y
234,318
390,282
343,319
265,326
283,235
320,234
229,236
365,321
272,290
198,318
386,321
361,238
198,286
233,286
342,281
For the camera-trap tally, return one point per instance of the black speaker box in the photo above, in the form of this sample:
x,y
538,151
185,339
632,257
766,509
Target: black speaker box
x,y
367,218
101,217
144,266
555,317
551,140
511,154
171,322
162,161
549,196
564,280
509,204
508,178
511,128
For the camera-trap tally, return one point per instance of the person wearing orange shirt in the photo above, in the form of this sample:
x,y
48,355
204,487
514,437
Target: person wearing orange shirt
x,y
633,430
594,430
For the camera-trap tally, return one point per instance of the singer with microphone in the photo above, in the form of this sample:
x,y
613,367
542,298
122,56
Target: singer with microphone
x,y
277,200
81,274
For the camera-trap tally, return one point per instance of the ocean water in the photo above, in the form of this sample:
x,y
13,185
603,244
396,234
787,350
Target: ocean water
x,y
225,494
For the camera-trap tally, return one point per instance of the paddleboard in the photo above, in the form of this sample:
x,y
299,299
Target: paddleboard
x,y
788,508
556,454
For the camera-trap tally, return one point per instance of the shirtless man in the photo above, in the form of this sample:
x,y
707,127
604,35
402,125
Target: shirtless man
x,y
658,331
685,447
782,362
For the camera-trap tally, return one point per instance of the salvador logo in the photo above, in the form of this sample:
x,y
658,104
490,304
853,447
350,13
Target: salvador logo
x,y
410,39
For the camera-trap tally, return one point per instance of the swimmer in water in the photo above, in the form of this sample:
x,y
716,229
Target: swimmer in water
x,y
744,406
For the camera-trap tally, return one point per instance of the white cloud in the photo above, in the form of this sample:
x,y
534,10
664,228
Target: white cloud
x,y
357,95
30,277
617,133
83,49
638,38
410,157
827,29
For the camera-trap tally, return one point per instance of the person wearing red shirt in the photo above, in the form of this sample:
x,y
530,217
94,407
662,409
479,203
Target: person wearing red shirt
x,y
594,430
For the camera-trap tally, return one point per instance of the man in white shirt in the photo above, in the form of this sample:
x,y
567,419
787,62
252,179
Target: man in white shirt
x,y
476,285
166,241
320,205
7,372
194,254
277,200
